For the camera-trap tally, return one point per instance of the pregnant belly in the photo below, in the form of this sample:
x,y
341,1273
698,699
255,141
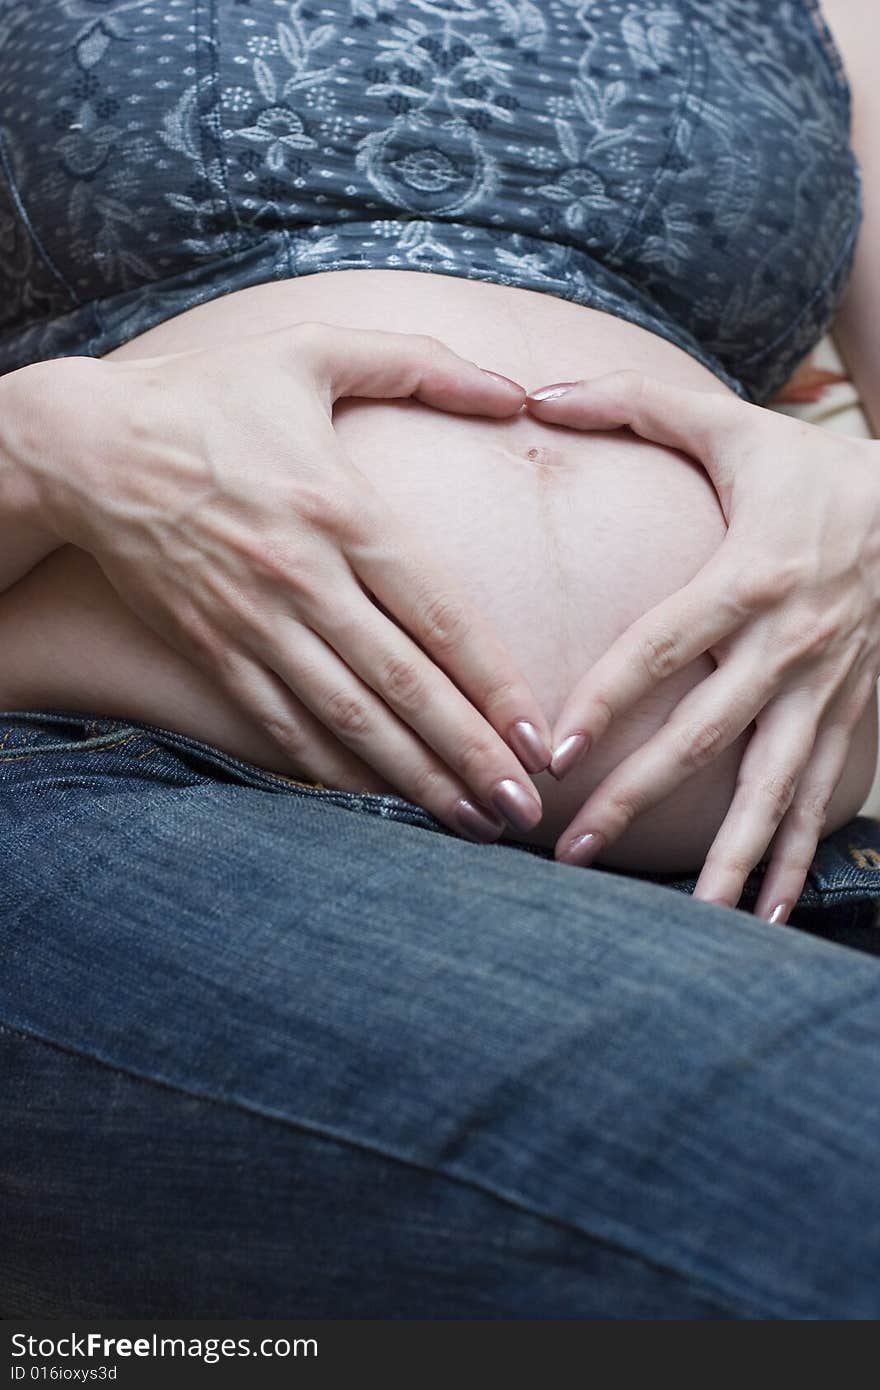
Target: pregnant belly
x,y
562,538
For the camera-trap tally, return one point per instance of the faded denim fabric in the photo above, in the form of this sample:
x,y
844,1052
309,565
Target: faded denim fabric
x,y
269,1051
686,165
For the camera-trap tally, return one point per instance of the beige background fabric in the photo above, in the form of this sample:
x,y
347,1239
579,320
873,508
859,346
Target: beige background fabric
x,y
839,409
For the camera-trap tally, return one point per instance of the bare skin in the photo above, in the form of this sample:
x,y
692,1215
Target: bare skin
x,y
563,539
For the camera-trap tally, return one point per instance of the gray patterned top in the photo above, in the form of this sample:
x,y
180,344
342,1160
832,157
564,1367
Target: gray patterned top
x,y
683,164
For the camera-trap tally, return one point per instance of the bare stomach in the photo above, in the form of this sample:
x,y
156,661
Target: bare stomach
x,y
562,538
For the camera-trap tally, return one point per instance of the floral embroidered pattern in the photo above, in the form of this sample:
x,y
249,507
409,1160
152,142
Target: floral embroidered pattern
x,y
684,164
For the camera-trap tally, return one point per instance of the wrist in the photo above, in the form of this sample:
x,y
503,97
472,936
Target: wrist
x,y
19,492
26,534
42,459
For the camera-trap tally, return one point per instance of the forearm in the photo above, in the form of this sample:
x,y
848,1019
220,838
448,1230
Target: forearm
x,y
26,537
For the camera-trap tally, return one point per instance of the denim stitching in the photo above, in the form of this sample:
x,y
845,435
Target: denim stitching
x,y
89,745
389,806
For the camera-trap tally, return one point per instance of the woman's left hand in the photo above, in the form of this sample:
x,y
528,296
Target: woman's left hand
x,y
788,607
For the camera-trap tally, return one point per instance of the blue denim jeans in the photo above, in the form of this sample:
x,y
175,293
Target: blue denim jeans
x,y
274,1051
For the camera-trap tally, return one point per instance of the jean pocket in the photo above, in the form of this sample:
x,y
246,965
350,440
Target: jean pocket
x,y
209,761
63,738
28,734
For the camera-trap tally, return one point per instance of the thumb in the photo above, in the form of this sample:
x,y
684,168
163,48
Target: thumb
x,y
697,422
371,362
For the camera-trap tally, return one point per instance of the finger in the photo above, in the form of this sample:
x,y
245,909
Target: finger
x,y
357,718
310,745
311,751
794,847
663,641
456,636
708,720
424,698
677,416
772,766
356,362
419,597
311,748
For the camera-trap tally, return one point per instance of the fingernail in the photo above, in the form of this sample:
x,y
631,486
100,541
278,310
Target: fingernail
x,y
475,822
506,379
583,850
516,806
552,393
532,750
779,916
567,754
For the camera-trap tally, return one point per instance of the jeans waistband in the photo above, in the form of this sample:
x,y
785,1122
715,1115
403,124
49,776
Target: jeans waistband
x,y
845,869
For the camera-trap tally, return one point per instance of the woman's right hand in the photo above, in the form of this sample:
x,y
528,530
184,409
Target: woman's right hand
x,y
212,490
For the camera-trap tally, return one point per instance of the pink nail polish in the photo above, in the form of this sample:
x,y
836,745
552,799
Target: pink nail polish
x,y
513,802
779,916
552,393
529,746
570,750
583,850
476,823
506,380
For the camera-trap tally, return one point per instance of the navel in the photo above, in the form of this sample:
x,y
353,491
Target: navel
x,y
545,461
